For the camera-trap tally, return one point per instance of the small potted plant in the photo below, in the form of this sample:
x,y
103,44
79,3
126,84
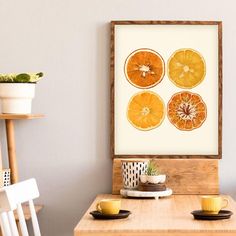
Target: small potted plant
x,y
17,92
152,175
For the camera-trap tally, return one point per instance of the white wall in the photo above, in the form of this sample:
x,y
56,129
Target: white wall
x,y
68,151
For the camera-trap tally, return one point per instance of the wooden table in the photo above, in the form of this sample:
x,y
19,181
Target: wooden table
x,y
167,216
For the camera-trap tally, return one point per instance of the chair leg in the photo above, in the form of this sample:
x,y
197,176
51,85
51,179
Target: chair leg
x,y
19,229
5,227
12,222
21,222
34,219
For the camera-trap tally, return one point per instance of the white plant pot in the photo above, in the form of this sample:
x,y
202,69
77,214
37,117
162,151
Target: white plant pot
x,y
156,179
16,98
143,178
162,179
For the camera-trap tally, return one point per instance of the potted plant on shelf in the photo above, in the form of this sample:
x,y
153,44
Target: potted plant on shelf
x,y
152,174
17,92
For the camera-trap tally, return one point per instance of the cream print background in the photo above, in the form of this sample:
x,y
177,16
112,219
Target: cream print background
x,y
166,139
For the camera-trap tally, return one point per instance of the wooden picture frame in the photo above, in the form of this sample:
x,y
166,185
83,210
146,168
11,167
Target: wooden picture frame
x,y
114,24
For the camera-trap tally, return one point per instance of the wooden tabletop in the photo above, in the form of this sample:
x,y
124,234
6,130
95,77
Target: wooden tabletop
x,y
160,217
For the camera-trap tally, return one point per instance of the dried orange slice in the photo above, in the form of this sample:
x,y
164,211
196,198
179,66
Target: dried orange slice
x,y
186,111
186,68
144,68
146,110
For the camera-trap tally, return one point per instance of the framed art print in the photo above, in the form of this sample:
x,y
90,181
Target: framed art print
x,y
166,89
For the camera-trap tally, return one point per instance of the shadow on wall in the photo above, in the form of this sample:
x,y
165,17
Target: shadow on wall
x,y
95,176
103,97
102,163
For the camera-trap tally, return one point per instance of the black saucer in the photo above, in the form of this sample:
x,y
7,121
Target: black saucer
x,y
121,215
201,215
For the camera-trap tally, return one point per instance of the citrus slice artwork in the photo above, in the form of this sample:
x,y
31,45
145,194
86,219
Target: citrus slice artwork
x,y
186,68
144,68
186,111
146,110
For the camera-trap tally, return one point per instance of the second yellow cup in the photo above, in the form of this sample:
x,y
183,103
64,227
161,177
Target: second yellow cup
x,y
109,206
213,204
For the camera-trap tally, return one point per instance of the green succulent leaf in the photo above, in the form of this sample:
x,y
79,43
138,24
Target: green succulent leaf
x,y
40,74
152,169
22,78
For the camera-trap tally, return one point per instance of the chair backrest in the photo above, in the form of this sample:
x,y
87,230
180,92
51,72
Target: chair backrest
x,y
11,198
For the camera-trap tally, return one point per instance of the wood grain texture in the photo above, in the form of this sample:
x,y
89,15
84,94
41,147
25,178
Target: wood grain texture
x,y
195,176
11,147
183,233
168,156
112,87
220,91
151,187
20,116
162,217
1,169
165,22
112,96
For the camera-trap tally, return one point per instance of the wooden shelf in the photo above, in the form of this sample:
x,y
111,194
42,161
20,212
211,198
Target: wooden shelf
x,y
26,211
20,116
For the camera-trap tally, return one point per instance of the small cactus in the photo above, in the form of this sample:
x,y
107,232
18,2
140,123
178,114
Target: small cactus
x,y
152,169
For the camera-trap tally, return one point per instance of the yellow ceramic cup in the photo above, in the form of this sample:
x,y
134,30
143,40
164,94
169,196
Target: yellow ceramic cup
x,y
109,206
213,204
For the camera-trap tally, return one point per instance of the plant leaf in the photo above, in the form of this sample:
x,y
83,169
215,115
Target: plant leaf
x,y
22,78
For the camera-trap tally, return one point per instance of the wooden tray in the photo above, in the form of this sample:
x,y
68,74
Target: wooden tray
x,y
143,194
148,187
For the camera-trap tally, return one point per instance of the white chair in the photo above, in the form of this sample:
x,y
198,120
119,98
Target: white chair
x,y
11,198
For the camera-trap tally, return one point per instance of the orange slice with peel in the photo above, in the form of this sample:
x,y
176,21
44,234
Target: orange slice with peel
x,y
186,111
146,110
144,68
186,68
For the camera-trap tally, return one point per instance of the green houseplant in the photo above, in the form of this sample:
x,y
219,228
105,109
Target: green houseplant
x,y
17,92
152,174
